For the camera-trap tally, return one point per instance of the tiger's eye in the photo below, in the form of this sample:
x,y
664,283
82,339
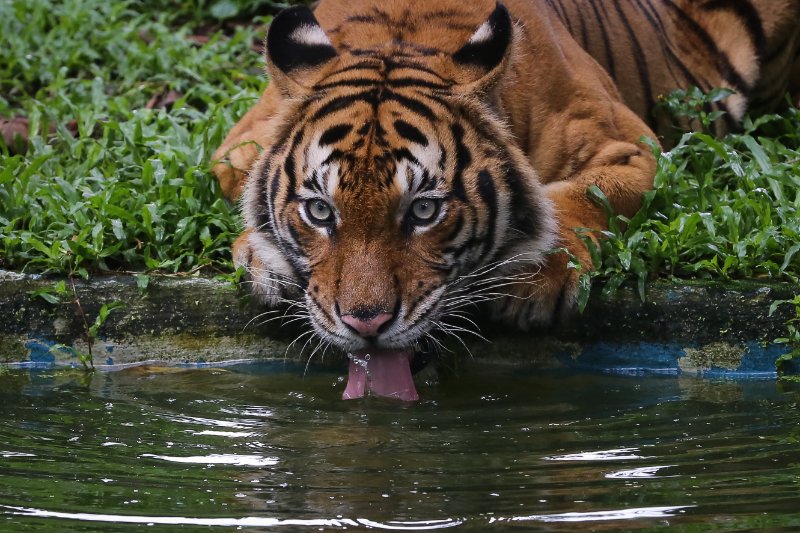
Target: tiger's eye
x,y
319,211
425,210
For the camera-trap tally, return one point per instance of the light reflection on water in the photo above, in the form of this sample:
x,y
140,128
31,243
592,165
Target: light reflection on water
x,y
218,459
619,454
488,450
418,525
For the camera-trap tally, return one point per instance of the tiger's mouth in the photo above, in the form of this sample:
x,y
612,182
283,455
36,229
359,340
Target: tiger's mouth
x,y
385,373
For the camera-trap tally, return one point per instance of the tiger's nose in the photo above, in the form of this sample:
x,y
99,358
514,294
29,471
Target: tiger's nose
x,y
367,324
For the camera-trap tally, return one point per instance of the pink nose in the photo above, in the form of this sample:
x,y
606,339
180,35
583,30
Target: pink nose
x,y
367,327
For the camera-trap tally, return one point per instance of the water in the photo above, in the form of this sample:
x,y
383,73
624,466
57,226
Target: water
x,y
265,449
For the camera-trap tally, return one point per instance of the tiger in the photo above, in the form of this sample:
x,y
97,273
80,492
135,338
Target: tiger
x,y
409,160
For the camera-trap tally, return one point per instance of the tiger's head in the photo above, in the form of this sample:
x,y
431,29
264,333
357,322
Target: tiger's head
x,y
393,184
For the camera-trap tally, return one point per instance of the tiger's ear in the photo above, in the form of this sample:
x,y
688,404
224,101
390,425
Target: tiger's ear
x,y
482,58
297,48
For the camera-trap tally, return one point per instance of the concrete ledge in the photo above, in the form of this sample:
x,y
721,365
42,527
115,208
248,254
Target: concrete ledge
x,y
709,329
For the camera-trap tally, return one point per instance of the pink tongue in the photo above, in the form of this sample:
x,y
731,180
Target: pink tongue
x,y
384,373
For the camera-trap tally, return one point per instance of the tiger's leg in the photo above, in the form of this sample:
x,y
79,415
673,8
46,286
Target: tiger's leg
x,y
623,169
267,272
248,137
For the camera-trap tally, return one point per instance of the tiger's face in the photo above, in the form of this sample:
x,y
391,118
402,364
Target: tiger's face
x,y
392,189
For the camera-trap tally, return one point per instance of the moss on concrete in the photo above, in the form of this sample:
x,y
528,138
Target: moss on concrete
x,y
688,327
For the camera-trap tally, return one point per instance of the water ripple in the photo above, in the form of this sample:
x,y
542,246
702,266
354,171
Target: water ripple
x,y
218,459
617,454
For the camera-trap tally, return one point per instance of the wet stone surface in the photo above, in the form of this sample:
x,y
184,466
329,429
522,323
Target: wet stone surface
x,y
689,327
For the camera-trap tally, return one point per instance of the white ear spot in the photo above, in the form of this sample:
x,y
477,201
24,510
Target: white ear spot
x,y
310,35
483,33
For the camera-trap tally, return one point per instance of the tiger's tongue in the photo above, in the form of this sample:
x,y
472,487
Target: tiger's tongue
x,y
384,373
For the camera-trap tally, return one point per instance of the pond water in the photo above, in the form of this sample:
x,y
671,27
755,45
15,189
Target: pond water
x,y
267,448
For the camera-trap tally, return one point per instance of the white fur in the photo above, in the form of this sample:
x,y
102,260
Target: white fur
x,y
483,33
428,156
331,179
315,155
310,35
737,105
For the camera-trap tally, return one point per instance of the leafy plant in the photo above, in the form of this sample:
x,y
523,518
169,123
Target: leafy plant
x,y
110,180
720,209
692,108
53,294
789,360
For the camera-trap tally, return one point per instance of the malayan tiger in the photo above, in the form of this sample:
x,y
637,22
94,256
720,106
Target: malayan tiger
x,y
409,158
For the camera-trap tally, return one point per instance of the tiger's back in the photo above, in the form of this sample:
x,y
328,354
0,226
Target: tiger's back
x,y
652,47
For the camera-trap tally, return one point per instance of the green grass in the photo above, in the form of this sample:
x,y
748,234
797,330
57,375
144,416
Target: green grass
x,y
108,184
132,189
721,208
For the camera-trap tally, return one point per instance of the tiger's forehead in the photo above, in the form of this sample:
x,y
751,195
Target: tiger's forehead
x,y
406,167
372,138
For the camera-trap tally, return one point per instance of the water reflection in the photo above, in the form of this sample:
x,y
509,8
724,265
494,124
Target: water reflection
x,y
218,459
636,473
486,451
618,454
396,525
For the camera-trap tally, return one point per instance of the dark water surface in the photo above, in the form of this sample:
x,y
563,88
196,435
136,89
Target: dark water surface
x,y
262,448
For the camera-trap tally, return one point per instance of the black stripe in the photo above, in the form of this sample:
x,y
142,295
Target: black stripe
x,y
403,153
322,310
584,30
488,194
351,82
606,41
313,182
394,83
373,65
638,54
335,154
749,17
559,9
652,15
391,65
410,103
721,60
289,167
398,83
341,102
524,217
364,19
263,221
458,225
297,253
335,134
410,132
463,160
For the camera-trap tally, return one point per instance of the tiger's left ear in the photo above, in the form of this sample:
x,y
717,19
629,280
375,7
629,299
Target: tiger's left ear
x,y
483,57
297,49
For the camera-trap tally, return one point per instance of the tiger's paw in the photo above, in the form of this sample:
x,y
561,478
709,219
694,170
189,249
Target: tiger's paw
x,y
543,298
546,294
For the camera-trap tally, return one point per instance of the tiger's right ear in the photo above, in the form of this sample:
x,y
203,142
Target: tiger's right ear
x,y
481,59
297,48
